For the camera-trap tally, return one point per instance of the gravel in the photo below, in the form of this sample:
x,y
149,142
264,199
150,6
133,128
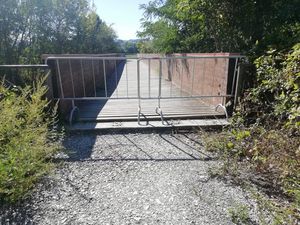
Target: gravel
x,y
131,178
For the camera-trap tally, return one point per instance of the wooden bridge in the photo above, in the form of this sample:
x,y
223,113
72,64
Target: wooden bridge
x,y
115,109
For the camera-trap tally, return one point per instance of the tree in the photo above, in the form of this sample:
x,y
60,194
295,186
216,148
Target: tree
x,y
29,28
220,26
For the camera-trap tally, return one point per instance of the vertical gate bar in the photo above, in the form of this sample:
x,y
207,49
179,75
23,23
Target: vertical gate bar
x,y
59,77
213,81
104,72
126,76
234,75
72,79
82,76
193,78
159,85
138,85
237,85
94,77
202,80
181,77
172,75
149,84
116,77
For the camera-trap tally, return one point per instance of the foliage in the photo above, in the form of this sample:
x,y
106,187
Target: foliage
x,y
269,159
275,99
27,139
266,151
220,26
281,213
128,46
146,46
273,155
240,214
29,28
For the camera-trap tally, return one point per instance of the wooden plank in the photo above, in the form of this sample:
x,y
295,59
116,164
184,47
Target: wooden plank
x,y
127,86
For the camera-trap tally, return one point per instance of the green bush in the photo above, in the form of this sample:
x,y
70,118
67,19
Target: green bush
x,y
267,152
27,139
275,100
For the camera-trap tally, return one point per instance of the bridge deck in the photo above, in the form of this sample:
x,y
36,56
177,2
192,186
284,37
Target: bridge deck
x,y
127,109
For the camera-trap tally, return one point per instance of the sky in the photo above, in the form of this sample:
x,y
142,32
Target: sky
x,y
124,15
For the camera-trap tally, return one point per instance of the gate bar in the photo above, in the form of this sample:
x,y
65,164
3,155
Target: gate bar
x,y
72,80
82,76
149,82
60,80
127,78
193,78
94,80
116,77
104,72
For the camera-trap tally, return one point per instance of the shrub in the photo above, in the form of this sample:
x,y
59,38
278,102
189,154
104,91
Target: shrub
x,y
267,152
276,98
27,139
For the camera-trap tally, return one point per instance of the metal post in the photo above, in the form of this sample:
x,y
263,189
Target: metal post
x,y
172,75
234,75
82,76
104,72
60,81
138,91
149,80
94,78
203,75
237,85
116,77
213,81
127,77
193,77
72,80
158,109
138,83
159,84
181,77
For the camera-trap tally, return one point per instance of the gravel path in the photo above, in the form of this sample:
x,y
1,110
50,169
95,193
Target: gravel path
x,y
145,178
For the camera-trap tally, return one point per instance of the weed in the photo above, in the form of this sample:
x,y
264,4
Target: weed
x,y
271,211
27,140
239,214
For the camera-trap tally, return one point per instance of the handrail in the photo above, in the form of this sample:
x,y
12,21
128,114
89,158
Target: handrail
x,y
37,66
143,58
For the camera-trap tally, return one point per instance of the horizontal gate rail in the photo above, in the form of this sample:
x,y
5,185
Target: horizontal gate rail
x,y
142,98
141,58
41,66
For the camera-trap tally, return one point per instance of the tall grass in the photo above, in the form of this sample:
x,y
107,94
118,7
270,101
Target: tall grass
x,y
27,139
267,153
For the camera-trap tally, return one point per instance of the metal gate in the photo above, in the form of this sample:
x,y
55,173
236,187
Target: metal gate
x,y
148,83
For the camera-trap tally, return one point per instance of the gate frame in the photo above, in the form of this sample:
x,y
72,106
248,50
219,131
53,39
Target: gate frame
x,y
234,89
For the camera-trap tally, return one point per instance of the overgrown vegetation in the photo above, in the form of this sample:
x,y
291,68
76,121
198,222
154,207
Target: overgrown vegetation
x,y
262,146
275,99
240,215
28,139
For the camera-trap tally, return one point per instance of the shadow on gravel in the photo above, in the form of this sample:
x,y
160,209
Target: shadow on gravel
x,y
206,156
129,147
20,213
